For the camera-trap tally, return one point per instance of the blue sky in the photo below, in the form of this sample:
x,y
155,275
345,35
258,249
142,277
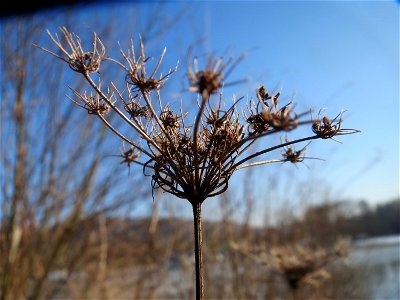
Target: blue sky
x,y
334,55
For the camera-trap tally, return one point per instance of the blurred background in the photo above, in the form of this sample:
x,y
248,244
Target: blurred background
x,y
75,223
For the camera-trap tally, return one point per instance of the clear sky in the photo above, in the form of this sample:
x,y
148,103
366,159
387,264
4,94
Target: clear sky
x,y
336,55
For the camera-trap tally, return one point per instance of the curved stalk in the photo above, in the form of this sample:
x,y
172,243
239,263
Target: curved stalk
x,y
274,148
120,113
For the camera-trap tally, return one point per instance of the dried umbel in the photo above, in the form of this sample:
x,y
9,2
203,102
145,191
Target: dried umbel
x,y
79,60
209,81
191,160
290,154
129,156
169,119
135,110
265,115
94,104
327,129
136,72
293,156
198,159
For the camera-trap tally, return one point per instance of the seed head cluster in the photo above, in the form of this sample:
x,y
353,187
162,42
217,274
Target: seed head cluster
x,y
190,156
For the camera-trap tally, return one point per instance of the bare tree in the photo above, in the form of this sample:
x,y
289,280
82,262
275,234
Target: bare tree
x,y
57,184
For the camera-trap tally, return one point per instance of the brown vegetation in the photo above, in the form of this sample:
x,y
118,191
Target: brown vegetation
x,y
58,238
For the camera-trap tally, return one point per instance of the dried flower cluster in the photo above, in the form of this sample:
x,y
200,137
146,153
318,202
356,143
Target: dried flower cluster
x,y
79,60
191,160
265,115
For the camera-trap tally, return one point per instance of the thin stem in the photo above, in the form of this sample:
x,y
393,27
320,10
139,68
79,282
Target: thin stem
x,y
274,148
123,137
260,163
115,108
197,249
195,141
156,117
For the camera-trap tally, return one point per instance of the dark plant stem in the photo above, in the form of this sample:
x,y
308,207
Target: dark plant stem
x,y
197,249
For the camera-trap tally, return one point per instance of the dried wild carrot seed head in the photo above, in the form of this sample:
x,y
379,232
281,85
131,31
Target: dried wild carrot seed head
x,y
136,71
169,119
130,156
195,160
293,156
208,81
94,104
327,129
79,60
136,110
266,116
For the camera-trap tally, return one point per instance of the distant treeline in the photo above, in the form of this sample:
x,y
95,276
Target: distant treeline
x,y
384,219
360,220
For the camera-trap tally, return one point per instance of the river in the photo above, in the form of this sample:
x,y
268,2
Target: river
x,y
380,259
